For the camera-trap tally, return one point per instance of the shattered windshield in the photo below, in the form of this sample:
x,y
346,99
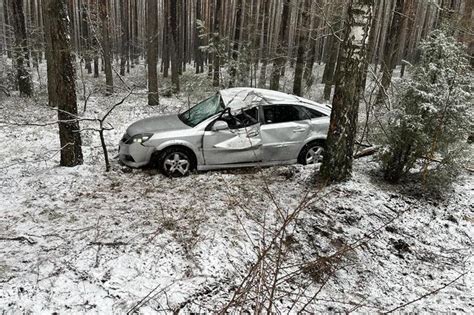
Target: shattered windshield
x,y
202,111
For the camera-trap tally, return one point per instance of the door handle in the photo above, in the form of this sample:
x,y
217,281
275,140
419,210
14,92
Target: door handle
x,y
252,134
300,130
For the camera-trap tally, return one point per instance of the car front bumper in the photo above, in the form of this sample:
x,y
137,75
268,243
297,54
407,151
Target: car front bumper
x,y
134,154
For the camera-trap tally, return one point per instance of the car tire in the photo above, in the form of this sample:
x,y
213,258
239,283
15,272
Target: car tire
x,y
176,162
312,153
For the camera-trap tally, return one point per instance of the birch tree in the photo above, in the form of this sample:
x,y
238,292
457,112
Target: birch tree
x,y
337,161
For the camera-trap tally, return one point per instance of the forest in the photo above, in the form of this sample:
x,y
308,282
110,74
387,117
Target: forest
x,y
376,216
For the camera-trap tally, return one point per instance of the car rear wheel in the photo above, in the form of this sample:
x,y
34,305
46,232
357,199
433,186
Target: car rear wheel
x,y
312,153
176,162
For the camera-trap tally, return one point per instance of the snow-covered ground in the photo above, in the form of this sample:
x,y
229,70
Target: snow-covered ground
x,y
80,240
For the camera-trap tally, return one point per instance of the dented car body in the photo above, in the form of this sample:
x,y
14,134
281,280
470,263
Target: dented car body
x,y
236,127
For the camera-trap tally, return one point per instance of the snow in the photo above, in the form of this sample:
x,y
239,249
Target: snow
x,y
80,240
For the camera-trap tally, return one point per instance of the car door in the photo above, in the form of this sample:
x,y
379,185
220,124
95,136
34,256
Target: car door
x,y
240,143
284,131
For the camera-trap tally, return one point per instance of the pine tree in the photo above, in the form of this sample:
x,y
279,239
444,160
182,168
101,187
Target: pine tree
x,y
302,43
61,80
172,16
106,46
21,53
391,49
433,113
280,59
152,52
125,36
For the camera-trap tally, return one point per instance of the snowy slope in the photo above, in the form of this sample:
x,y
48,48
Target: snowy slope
x,y
82,240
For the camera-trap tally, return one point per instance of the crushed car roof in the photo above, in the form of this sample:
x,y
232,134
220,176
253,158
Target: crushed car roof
x,y
237,98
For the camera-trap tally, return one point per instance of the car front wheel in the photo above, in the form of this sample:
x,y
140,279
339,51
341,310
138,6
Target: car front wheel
x,y
175,163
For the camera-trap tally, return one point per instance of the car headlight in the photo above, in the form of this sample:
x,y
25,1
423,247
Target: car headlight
x,y
140,138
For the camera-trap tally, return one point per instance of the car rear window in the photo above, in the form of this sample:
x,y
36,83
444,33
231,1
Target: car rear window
x,y
275,114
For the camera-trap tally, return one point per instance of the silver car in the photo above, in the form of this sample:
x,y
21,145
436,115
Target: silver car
x,y
236,127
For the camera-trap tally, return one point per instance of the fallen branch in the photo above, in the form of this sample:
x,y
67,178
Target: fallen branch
x,y
18,238
111,244
366,152
5,90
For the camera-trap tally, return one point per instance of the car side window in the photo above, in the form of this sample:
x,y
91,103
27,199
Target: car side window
x,y
314,113
242,119
283,113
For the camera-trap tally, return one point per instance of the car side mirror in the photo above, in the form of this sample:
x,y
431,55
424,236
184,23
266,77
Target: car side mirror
x,y
220,125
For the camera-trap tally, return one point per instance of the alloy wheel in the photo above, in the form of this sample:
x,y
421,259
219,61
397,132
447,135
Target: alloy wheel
x,y
314,154
176,164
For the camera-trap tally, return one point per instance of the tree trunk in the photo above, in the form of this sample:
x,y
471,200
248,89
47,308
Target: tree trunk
x,y
125,38
337,161
61,80
235,46
311,55
391,48
197,41
96,66
106,47
280,58
216,39
266,34
20,50
328,74
166,38
152,52
6,28
85,38
302,43
135,50
173,47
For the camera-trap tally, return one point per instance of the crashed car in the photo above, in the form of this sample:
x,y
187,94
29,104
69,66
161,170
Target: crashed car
x,y
237,127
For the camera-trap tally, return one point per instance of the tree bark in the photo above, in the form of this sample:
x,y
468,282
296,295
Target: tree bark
x,y
266,34
328,74
96,66
235,45
6,28
61,80
125,36
311,55
86,40
106,47
216,40
173,47
280,58
302,43
197,41
135,45
152,52
20,47
337,161
391,48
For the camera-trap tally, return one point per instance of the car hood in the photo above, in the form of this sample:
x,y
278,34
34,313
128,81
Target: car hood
x,y
156,124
